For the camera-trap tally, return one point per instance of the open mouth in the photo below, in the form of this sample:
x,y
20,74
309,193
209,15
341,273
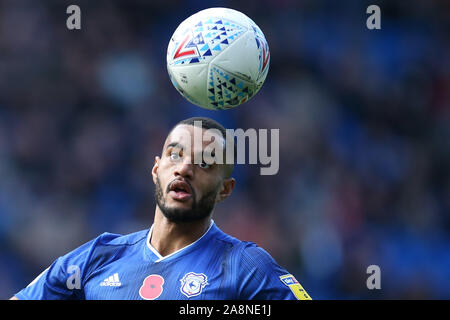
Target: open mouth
x,y
180,190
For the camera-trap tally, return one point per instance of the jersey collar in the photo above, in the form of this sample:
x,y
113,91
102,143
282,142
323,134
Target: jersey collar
x,y
160,258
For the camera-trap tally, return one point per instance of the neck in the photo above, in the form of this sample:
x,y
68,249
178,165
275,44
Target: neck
x,y
168,237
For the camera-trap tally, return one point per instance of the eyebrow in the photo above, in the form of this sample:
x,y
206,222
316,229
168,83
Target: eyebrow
x,y
174,144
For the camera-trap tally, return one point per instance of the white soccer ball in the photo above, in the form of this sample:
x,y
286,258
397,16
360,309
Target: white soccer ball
x,y
218,58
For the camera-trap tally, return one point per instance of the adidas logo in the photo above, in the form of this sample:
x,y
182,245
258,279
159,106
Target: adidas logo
x,y
111,281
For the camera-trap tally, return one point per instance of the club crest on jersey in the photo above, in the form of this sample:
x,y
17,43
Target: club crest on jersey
x,y
192,284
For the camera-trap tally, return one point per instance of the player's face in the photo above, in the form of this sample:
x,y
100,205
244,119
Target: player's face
x,y
185,191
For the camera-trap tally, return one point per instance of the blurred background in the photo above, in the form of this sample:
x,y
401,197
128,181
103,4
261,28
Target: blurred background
x,y
364,118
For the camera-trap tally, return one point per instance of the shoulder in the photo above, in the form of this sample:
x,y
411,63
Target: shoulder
x,y
260,277
66,276
237,249
246,253
110,246
250,250
253,257
225,238
113,239
101,250
107,241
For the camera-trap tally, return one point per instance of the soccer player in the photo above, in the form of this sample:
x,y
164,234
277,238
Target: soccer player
x,y
184,255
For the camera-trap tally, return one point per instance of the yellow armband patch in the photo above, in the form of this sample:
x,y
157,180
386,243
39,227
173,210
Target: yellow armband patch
x,y
296,288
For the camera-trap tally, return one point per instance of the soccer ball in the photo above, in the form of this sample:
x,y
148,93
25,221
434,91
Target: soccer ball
x,y
218,58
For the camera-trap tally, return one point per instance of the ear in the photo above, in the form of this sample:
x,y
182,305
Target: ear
x,y
155,169
227,189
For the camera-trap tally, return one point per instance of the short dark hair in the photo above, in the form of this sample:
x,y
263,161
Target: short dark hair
x,y
208,123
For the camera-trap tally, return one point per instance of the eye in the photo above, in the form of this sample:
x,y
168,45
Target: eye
x,y
175,156
204,165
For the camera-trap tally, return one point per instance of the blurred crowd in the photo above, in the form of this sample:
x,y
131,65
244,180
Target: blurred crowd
x,y
364,118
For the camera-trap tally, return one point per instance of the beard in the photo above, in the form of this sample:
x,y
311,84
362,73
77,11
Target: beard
x,y
199,209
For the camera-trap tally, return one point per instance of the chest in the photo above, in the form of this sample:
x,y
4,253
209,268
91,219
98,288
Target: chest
x,y
174,280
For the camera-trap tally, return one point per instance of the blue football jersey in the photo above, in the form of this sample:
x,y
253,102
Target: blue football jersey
x,y
115,267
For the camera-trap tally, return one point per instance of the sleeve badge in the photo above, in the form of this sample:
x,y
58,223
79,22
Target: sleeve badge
x,y
296,288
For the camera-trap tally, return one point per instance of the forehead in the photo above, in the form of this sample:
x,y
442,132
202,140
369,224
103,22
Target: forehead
x,y
195,137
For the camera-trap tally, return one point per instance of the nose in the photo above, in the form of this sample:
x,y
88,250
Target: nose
x,y
185,169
